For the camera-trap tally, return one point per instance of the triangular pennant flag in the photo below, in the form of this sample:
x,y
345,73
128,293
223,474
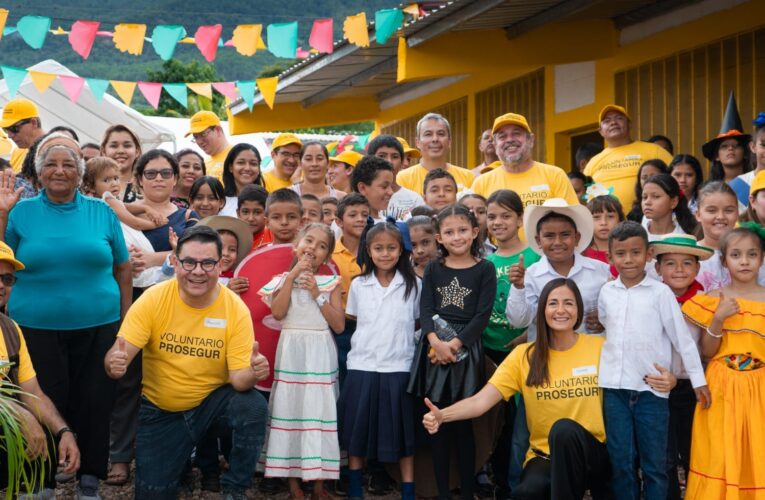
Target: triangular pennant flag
x,y
207,38
151,91
164,38
247,91
203,89
13,78
261,44
124,90
267,88
302,54
246,37
321,35
355,30
3,19
9,30
387,22
228,89
34,30
178,92
129,38
72,85
41,80
414,10
282,39
82,36
97,87
362,140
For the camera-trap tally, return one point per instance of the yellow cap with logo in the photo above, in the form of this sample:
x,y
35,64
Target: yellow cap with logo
x,y
17,110
201,121
409,150
612,107
6,254
510,119
285,139
349,157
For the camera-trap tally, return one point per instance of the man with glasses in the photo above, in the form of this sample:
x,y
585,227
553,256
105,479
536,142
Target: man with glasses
x,y
21,123
200,364
285,153
209,136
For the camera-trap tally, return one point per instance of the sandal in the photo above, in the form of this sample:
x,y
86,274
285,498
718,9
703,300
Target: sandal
x,y
118,475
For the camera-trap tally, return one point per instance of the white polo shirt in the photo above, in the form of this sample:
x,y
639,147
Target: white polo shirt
x,y
384,337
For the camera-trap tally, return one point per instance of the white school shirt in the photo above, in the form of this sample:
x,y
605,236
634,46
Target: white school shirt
x,y
643,324
589,275
384,338
646,223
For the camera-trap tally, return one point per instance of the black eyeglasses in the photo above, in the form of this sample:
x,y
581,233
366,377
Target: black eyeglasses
x,y
10,279
165,173
207,265
14,129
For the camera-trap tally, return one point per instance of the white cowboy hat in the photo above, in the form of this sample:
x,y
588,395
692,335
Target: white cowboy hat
x,y
578,213
237,226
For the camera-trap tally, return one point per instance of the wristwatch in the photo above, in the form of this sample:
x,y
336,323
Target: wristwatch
x,y
321,300
64,430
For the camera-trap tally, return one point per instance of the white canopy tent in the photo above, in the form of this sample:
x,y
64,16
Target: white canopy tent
x,y
88,117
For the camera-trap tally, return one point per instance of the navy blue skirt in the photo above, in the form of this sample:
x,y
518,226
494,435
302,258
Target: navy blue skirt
x,y
376,417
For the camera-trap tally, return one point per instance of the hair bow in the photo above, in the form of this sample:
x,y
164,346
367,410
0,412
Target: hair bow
x,y
759,120
403,228
755,227
597,189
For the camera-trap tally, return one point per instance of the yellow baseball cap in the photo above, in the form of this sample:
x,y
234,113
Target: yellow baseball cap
x,y
349,157
510,119
7,255
409,150
284,139
201,121
612,107
758,183
17,110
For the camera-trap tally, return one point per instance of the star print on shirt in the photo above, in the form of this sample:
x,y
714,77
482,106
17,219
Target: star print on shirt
x,y
453,294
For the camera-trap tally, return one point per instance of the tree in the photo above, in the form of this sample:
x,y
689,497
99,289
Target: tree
x,y
275,69
176,71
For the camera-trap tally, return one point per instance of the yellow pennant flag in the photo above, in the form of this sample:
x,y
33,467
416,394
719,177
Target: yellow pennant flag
x,y
41,81
261,44
203,89
355,30
413,9
267,88
124,90
3,18
129,38
246,38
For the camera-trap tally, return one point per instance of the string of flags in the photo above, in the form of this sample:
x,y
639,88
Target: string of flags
x,y
247,39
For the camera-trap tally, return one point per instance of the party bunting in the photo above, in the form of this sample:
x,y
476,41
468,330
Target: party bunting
x,y
73,86
129,38
178,92
203,89
41,80
151,91
387,22
82,36
321,35
362,140
355,30
302,54
282,39
414,10
13,78
267,88
34,30
227,89
246,37
97,87
124,90
247,91
207,38
3,19
164,38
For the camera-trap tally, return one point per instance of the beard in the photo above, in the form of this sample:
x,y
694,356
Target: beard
x,y
524,153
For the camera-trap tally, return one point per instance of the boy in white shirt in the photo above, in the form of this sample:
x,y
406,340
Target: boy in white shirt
x,y
643,323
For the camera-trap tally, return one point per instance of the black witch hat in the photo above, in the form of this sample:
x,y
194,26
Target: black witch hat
x,y
731,129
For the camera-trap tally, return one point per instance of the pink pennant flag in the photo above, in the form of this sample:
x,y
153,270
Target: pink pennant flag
x,y
73,86
301,54
82,35
321,35
207,38
227,89
229,43
151,91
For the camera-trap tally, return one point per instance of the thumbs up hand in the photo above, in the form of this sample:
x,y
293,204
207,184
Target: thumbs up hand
x,y
117,359
433,419
517,273
258,362
727,307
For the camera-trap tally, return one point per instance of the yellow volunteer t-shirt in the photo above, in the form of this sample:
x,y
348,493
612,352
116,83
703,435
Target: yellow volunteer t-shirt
x,y
18,156
618,168
214,163
534,186
273,182
347,265
572,392
413,177
187,352
26,370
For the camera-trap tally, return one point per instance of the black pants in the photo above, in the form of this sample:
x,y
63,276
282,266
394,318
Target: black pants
x,y
500,458
459,434
682,404
34,469
577,462
70,369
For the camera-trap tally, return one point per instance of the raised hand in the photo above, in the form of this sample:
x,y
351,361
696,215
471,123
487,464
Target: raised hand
x,y
517,273
8,195
433,419
258,362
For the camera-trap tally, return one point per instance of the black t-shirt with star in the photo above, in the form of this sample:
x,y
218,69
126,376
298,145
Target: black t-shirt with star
x,y
463,296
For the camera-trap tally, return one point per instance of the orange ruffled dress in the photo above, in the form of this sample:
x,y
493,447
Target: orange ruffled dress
x,y
728,441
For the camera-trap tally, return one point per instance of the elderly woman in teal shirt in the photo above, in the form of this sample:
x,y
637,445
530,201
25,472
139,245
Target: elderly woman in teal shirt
x,y
71,297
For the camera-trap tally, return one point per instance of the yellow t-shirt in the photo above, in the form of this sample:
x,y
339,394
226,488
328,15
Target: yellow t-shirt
x,y
572,392
273,182
618,168
26,370
187,352
347,265
214,163
534,186
413,177
18,156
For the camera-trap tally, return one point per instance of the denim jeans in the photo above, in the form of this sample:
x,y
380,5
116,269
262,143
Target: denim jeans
x,y
636,426
519,445
165,439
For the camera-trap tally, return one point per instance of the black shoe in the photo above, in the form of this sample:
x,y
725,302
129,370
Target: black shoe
x,y
341,486
380,482
271,485
211,482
